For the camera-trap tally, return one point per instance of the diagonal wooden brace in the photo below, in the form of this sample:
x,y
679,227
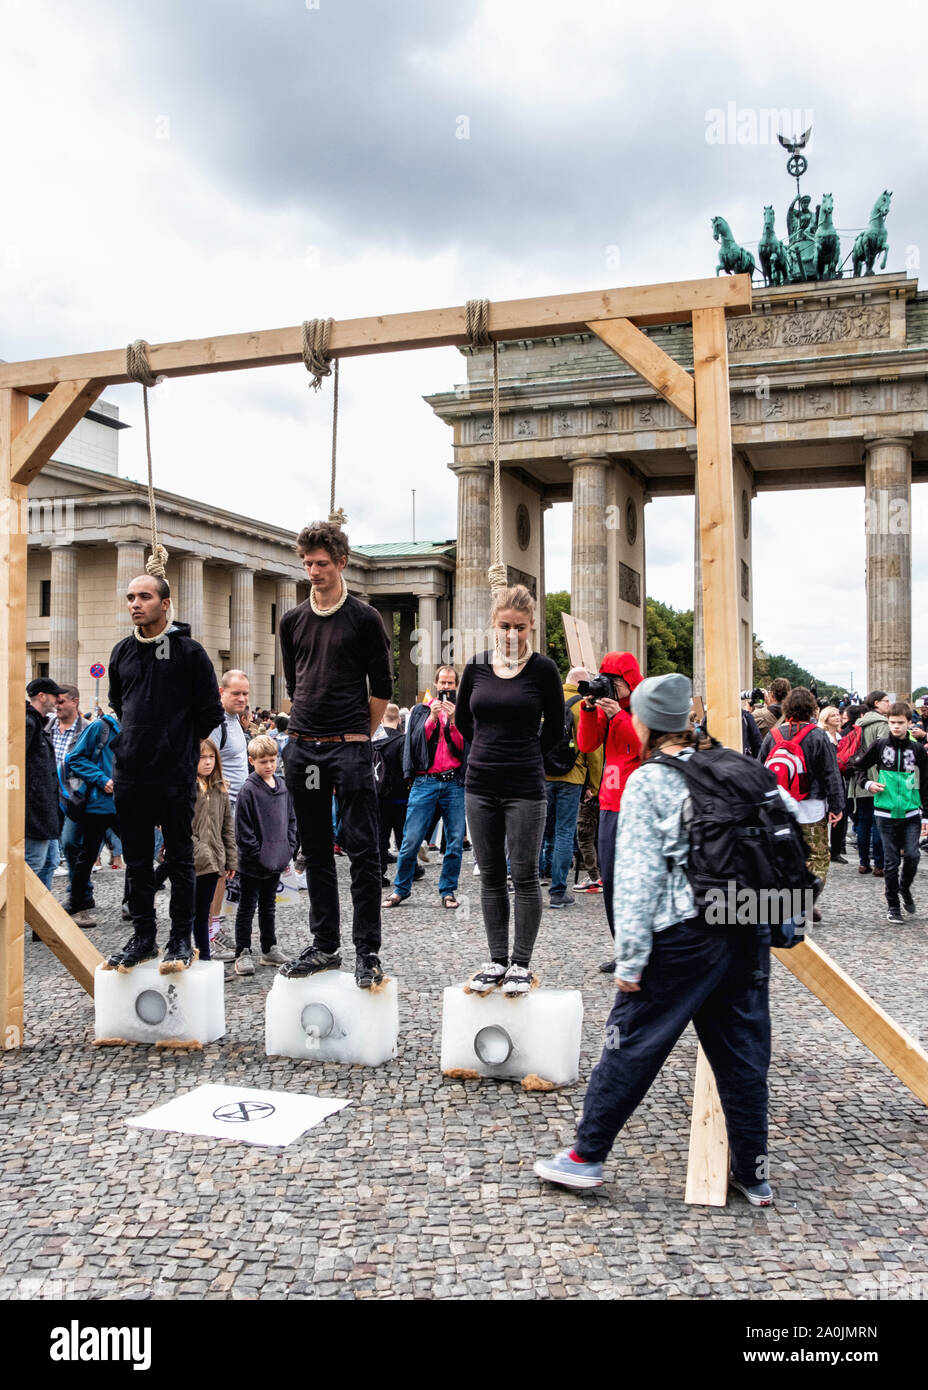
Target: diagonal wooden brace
x,y
46,916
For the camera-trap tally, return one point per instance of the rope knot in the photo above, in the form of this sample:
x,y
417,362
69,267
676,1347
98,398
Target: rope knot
x,y
477,322
138,367
316,356
498,575
156,563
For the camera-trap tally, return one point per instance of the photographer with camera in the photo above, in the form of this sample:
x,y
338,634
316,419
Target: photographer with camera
x,y
750,734
435,757
605,720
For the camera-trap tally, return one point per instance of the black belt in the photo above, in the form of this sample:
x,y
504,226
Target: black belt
x,y
442,776
331,738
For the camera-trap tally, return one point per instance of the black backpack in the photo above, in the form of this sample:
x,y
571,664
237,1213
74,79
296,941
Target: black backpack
x,y
748,859
560,760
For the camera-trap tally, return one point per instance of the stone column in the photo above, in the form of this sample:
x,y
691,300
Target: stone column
x,y
130,563
408,673
472,589
541,625
429,644
588,562
62,647
888,523
285,600
242,626
188,603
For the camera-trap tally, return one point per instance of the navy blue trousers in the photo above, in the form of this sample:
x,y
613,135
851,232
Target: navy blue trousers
x,y
719,981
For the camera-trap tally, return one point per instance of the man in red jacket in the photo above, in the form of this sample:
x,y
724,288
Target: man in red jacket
x,y
609,721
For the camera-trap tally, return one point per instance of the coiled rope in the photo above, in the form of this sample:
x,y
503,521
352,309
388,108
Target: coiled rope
x,y
477,326
319,362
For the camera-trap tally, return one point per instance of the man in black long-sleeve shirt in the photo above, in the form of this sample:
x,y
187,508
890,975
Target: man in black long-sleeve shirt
x,y
165,694
338,669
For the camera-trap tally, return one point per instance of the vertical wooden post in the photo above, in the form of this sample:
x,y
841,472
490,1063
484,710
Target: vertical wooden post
x,y
707,1172
14,526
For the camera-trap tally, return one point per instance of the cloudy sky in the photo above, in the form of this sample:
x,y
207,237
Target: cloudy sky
x,y
177,170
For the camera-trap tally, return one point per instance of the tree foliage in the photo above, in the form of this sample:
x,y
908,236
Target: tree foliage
x,y
555,605
670,639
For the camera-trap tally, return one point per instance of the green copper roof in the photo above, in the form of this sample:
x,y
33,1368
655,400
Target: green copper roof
x,y
405,548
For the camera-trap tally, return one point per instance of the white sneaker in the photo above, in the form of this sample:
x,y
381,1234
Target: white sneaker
x,y
518,980
486,977
244,965
423,855
221,948
273,956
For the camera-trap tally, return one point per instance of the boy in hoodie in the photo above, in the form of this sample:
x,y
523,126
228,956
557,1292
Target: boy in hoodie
x,y
873,726
898,783
163,691
266,838
91,758
608,721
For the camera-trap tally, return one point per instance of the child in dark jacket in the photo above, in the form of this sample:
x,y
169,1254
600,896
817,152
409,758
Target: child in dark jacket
x,y
266,836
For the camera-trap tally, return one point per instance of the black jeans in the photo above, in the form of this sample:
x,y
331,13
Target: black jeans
x,y
497,823
261,893
139,810
205,888
94,828
720,981
608,825
313,771
900,843
392,818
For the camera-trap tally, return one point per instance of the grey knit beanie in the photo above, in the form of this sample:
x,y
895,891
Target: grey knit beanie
x,y
664,702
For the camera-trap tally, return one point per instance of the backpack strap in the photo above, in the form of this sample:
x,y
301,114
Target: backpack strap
x,y
224,735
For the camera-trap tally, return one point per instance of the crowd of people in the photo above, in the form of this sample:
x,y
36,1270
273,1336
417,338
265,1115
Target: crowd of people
x,y
193,787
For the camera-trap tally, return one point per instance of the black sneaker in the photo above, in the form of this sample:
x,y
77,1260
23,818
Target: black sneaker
x,y
178,955
908,902
367,972
894,916
310,962
564,899
607,967
136,950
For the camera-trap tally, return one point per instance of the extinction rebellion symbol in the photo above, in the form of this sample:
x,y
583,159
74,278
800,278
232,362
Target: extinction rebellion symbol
x,y
239,1111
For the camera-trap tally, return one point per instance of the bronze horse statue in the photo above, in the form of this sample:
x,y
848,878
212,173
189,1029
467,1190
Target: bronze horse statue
x,y
774,261
869,244
732,258
827,244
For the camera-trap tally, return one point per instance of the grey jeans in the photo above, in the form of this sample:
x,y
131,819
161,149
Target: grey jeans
x,y
498,824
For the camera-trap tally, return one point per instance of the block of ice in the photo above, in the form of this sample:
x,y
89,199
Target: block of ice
x,y
513,1037
146,1007
326,1018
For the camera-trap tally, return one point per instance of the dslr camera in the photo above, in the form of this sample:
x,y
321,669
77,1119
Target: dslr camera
x,y
755,695
601,687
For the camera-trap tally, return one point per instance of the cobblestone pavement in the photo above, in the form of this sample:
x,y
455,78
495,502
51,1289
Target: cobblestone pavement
x,y
423,1187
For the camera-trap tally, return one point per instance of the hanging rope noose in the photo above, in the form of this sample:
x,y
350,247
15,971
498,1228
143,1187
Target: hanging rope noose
x,y
138,368
319,362
477,321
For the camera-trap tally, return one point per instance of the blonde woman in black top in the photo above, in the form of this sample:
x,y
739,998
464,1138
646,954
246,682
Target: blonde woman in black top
x,y
510,708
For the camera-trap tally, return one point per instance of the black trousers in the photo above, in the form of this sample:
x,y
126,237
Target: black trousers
x,y
608,825
260,893
392,818
313,771
139,810
720,982
94,829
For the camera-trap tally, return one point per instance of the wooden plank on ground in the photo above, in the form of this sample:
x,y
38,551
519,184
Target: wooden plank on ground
x,y
707,1169
650,361
861,1014
509,319
14,413
46,916
50,426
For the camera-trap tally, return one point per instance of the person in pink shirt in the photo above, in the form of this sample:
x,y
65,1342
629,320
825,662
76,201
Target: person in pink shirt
x,y
435,757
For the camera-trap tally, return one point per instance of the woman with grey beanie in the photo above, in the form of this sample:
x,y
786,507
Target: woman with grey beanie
x,y
673,968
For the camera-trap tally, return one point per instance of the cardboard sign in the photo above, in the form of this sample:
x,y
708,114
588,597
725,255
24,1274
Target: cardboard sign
x,y
579,643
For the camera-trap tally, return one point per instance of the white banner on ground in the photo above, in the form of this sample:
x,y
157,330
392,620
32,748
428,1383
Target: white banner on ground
x,y
239,1112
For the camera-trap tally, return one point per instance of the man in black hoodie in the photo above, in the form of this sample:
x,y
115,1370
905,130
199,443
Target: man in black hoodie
x,y
164,692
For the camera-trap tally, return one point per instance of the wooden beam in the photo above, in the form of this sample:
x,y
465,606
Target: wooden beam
x,y
716,492
2,886
51,425
14,413
650,361
707,1171
426,328
857,1011
46,916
